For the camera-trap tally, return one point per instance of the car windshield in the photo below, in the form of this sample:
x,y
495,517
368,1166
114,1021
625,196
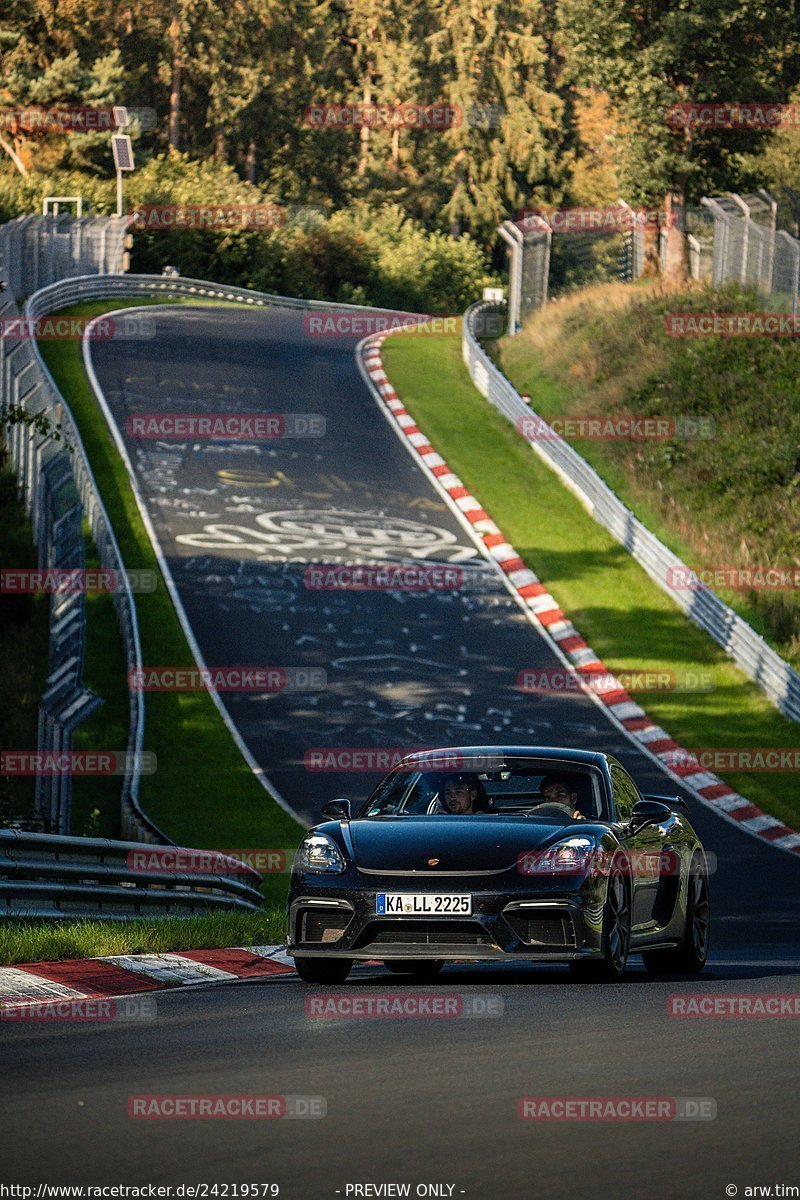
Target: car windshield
x,y
543,788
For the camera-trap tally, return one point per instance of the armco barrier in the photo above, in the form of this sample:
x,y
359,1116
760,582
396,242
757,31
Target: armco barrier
x,y
45,876
747,649
135,823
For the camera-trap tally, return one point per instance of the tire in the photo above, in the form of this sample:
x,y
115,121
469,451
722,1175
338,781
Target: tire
x,y
417,968
616,936
690,956
323,970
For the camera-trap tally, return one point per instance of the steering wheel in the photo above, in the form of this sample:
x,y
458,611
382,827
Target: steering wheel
x,y
554,808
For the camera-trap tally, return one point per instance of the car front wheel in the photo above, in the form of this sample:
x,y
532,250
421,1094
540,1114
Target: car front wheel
x,y
616,936
323,970
690,957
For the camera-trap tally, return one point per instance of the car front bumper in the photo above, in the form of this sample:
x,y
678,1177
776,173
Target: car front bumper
x,y
554,924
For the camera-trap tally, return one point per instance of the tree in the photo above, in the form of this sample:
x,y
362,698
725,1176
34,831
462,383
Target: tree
x,y
498,64
654,54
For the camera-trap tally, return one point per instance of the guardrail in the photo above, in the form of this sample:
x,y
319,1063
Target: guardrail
x,y
104,287
779,681
30,384
45,876
45,397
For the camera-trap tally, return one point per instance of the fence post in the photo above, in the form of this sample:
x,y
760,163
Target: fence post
x,y
513,239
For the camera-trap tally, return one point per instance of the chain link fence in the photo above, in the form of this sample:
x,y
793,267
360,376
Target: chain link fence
x,y
751,240
38,251
554,253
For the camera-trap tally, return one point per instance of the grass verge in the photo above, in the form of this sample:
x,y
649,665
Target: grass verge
x,y
629,622
730,498
50,941
203,793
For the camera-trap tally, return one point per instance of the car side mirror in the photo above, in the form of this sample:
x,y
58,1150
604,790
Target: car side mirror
x,y
648,812
339,810
672,802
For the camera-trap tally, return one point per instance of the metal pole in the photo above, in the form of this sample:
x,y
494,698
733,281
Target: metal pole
x,y
737,199
119,193
514,276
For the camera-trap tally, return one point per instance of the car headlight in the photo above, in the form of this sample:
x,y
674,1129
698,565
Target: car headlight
x,y
570,857
318,852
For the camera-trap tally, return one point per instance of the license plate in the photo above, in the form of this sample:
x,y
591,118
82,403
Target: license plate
x,y
422,904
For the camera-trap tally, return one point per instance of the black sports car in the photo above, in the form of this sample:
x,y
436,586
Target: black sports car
x,y
500,853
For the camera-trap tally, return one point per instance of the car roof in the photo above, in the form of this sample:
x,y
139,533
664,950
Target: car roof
x,y
592,758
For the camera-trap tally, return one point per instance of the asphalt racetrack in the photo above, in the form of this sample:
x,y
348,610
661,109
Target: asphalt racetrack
x,y
418,1101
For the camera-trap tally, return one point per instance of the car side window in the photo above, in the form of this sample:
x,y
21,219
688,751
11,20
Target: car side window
x,y
626,794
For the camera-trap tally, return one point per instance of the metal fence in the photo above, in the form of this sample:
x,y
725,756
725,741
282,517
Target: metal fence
x,y
755,244
751,240
38,251
44,876
749,651
548,256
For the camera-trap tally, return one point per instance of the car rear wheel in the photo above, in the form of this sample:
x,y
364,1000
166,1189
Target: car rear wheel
x,y
616,936
690,957
323,970
418,968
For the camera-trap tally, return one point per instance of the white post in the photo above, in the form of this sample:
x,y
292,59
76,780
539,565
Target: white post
x,y
737,199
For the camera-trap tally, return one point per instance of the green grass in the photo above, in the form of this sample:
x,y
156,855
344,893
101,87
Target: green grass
x,y
95,802
629,621
731,499
24,941
203,793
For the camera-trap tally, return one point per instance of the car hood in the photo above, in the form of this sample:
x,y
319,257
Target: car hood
x,y
468,843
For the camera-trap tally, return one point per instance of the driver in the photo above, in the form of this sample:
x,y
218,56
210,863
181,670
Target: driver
x,y
461,793
556,790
